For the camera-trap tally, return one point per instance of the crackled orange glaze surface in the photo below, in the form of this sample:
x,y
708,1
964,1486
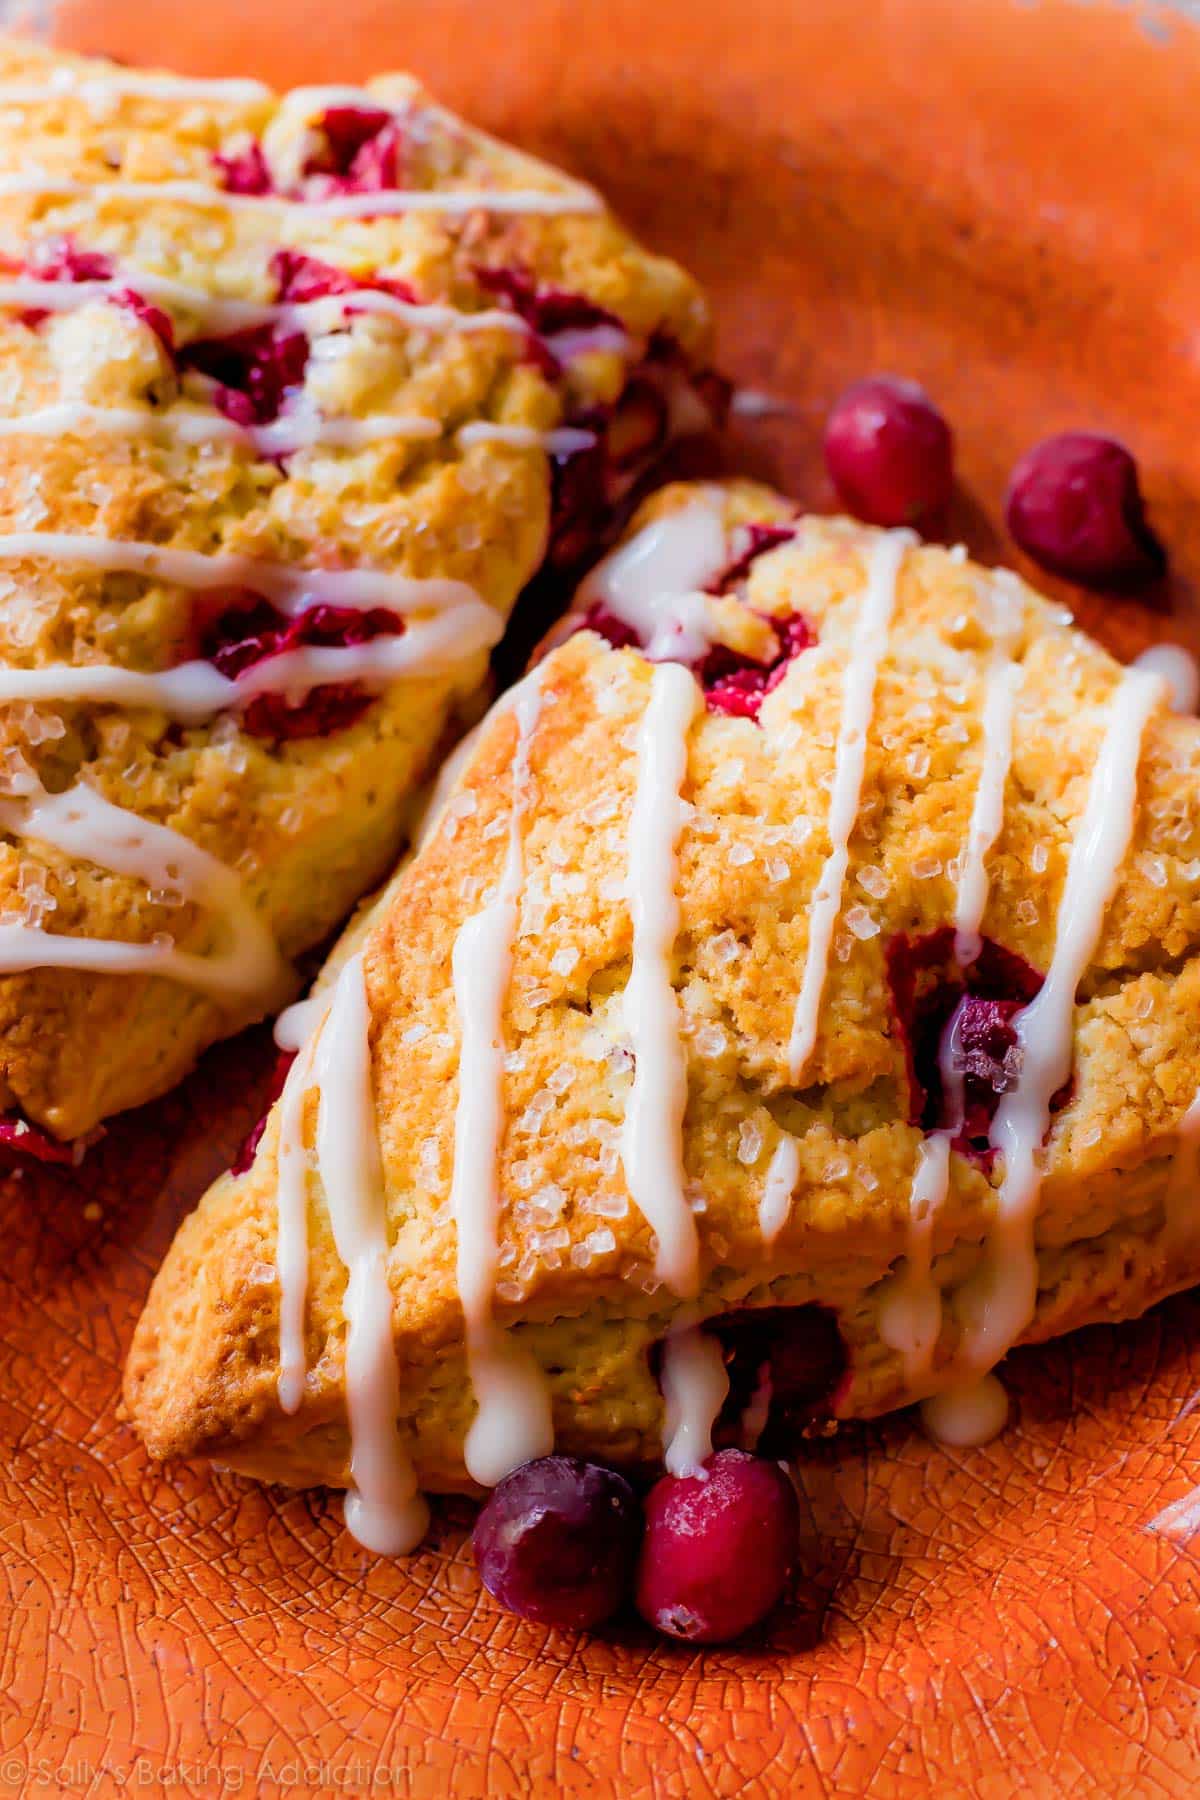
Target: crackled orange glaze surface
x,y
997,198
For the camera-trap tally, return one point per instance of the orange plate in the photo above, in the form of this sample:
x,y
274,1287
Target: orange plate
x,y
1001,200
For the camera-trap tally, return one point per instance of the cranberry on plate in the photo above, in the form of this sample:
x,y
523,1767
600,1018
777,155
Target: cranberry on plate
x,y
1075,506
557,1540
889,452
719,1548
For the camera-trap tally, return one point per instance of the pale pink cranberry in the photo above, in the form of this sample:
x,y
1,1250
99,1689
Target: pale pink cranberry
x,y
245,171
1074,506
889,452
300,277
718,1549
557,1542
360,150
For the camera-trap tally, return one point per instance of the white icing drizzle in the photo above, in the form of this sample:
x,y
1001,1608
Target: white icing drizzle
x,y
197,425
194,691
296,1023
910,1313
652,1132
215,313
572,201
966,1417
1001,1300
117,83
1179,669
652,583
1002,680
291,1234
512,1423
81,823
778,1187
858,700
384,1509
290,588
694,1385
1182,1200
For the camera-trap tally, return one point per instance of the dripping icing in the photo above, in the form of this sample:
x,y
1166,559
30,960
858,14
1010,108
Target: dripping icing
x,y
512,1424
858,698
652,1131
694,1384
384,1509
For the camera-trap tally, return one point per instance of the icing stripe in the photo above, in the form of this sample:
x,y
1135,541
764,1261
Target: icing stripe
x,y
291,1232
196,425
290,588
512,1423
778,1187
652,1132
858,699
194,691
652,583
68,84
910,1314
85,826
217,314
1002,1300
1002,681
573,202
694,1385
384,1509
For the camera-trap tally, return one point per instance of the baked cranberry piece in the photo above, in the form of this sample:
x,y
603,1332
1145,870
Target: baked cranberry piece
x,y
978,1006
154,317
546,310
361,150
299,278
254,370
790,1360
249,631
889,452
245,171
60,259
21,1142
759,539
719,1548
557,1541
249,1144
1074,505
737,685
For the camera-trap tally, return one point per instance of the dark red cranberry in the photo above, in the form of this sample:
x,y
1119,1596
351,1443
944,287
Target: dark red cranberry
x,y
245,171
254,370
547,310
1074,506
238,635
889,452
360,152
249,1144
719,1548
737,685
979,1005
21,1142
557,1542
299,277
792,1355
614,631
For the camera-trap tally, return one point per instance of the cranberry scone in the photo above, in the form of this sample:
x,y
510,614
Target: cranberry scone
x,y
791,1007
299,392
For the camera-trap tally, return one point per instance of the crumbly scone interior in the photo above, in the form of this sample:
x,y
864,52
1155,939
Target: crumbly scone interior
x,y
579,1295
213,345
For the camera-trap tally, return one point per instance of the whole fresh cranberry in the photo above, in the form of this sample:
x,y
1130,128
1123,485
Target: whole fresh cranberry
x,y
719,1548
1074,505
889,452
557,1542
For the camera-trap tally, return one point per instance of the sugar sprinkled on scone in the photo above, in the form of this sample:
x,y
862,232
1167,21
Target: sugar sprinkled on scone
x,y
1009,966
299,392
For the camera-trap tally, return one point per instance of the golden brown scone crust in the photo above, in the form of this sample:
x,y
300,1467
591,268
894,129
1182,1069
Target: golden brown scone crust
x,y
202,1372
310,824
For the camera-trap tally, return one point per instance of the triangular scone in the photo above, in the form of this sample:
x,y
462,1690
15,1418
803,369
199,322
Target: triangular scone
x,y
842,1224
299,392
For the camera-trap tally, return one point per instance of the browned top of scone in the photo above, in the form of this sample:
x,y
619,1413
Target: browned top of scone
x,y
437,505
574,1250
